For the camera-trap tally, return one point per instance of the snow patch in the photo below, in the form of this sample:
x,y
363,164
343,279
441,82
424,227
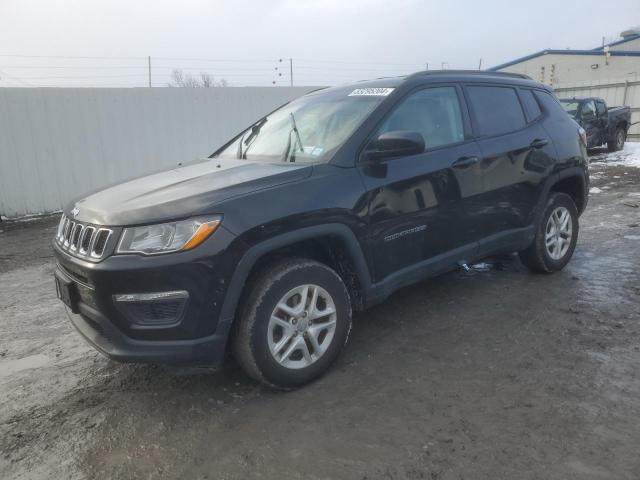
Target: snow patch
x,y
629,156
595,190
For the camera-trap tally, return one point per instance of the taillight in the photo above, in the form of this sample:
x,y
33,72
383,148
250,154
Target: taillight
x,y
583,135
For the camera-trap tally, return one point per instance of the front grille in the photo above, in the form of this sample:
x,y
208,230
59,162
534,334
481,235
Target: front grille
x,y
82,240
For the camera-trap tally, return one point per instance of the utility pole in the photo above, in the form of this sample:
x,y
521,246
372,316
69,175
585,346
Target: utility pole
x,y
427,65
480,65
291,70
149,64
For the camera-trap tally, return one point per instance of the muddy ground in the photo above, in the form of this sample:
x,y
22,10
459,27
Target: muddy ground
x,y
499,374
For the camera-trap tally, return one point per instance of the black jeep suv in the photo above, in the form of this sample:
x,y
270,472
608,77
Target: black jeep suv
x,y
320,209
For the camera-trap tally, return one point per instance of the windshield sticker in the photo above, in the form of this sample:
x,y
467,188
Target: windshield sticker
x,y
368,92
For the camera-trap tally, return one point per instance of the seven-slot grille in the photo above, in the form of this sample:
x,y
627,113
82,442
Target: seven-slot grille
x,y
82,240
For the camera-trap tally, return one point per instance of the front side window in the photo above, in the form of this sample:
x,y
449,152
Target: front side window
x,y
433,112
309,129
497,110
602,108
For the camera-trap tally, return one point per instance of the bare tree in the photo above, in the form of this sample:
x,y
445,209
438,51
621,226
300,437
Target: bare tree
x,y
204,80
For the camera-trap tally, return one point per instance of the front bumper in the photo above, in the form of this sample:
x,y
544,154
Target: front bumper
x,y
108,340
199,335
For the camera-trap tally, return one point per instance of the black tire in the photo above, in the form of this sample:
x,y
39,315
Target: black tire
x,y
537,257
251,341
617,142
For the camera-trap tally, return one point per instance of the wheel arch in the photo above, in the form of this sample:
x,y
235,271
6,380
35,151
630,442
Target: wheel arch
x,y
333,244
573,184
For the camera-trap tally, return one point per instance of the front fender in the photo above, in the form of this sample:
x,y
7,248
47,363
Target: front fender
x,y
256,252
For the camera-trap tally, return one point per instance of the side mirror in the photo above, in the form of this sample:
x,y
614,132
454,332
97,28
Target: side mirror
x,y
397,144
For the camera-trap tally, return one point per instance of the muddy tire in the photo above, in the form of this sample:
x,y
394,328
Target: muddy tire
x,y
556,236
296,319
617,142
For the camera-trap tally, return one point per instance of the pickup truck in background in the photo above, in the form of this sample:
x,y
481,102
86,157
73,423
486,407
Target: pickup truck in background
x,y
603,125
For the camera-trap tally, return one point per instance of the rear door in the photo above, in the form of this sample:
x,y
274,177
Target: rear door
x,y
516,154
417,203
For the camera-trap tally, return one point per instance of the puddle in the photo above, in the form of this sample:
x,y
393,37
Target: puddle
x,y
9,367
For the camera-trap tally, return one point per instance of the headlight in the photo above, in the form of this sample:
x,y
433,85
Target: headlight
x,y
167,237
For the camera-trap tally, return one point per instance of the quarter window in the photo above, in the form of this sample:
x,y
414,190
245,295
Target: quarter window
x,y
497,110
531,106
432,112
550,103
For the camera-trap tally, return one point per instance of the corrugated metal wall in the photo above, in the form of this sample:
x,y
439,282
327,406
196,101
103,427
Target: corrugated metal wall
x,y
56,143
615,93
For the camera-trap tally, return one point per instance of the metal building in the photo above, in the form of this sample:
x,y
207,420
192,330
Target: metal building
x,y
615,61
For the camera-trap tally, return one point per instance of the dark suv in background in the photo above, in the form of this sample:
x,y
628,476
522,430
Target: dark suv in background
x,y
320,209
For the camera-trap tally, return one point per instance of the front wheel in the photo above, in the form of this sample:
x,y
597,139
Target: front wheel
x,y
556,236
617,143
294,324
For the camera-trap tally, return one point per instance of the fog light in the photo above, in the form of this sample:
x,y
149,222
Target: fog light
x,y
152,309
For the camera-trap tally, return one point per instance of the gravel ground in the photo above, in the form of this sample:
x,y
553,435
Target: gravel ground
x,y
497,373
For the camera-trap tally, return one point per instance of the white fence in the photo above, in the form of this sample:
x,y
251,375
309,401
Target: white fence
x,y
615,93
56,143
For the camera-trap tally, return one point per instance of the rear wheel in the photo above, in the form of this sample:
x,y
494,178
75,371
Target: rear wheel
x,y
556,236
296,320
617,142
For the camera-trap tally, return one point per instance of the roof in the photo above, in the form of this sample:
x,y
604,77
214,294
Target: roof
x,y
595,53
469,72
578,99
451,74
628,38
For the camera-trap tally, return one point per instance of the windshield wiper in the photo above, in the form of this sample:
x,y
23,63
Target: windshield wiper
x,y
255,130
294,128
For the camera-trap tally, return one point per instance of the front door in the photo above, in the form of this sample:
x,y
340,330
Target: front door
x,y
589,121
417,203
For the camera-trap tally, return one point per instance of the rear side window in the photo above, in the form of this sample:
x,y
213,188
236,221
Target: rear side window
x,y
531,107
497,110
432,112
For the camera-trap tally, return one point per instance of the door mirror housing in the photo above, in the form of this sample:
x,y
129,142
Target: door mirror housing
x,y
400,143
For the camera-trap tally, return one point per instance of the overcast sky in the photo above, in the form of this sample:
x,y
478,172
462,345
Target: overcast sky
x,y
330,41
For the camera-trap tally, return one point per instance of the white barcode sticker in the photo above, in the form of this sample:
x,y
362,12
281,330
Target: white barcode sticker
x,y
376,92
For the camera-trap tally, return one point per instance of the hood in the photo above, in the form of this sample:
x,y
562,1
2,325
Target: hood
x,y
182,192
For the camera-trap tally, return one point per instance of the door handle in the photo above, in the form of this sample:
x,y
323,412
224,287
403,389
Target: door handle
x,y
465,162
539,143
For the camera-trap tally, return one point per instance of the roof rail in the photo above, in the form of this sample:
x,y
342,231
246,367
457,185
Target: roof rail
x,y
471,72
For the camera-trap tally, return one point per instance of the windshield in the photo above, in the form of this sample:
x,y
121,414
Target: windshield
x,y
571,107
309,129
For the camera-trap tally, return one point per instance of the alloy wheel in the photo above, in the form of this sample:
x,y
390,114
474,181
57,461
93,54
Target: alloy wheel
x,y
558,233
302,326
